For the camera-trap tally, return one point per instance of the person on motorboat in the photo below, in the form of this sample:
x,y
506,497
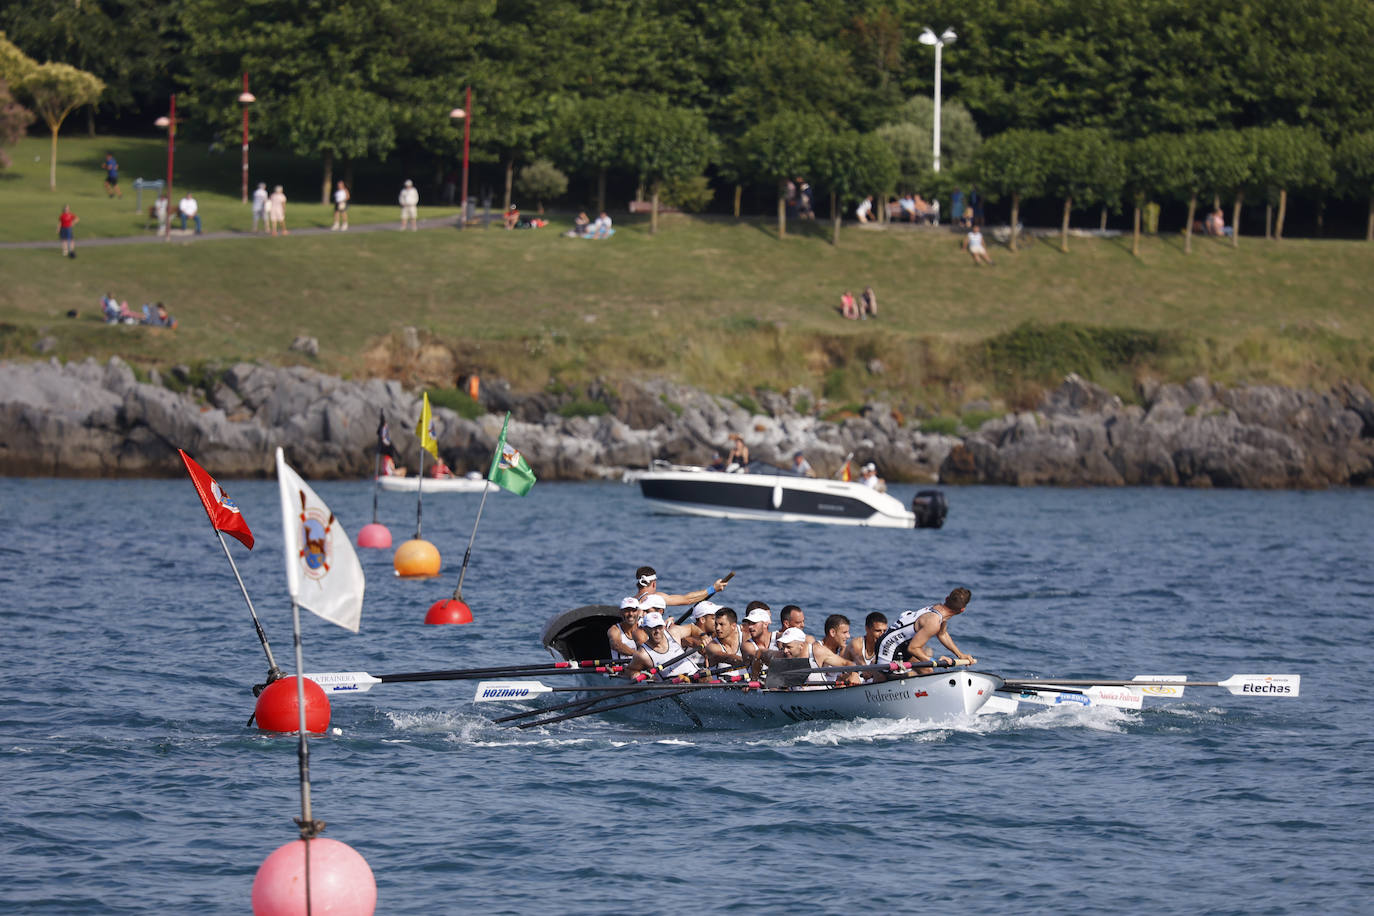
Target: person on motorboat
x,y
663,649
723,650
390,468
440,470
907,638
626,635
717,462
863,650
801,466
738,457
647,581
758,641
871,479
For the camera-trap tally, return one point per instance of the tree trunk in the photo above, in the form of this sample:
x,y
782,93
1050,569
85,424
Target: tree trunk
x,y
835,215
1321,218
510,180
782,207
1369,226
1188,226
90,119
739,191
1135,231
1283,211
1015,220
52,162
1235,219
1064,226
653,211
639,191
1268,221
1103,225
601,190
328,180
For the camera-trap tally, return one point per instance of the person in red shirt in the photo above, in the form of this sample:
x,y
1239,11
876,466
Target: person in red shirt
x,y
66,222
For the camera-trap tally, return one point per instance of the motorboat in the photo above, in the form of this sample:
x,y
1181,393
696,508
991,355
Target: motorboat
x,y
396,484
764,492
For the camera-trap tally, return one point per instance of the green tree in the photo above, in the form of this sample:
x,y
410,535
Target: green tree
x,y
14,63
332,121
55,91
1290,159
1013,164
1354,162
667,144
1229,168
852,165
542,180
591,136
14,118
1151,166
780,148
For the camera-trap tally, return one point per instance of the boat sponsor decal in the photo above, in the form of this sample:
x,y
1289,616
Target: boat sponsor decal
x,y
1072,698
802,714
892,696
506,692
1268,685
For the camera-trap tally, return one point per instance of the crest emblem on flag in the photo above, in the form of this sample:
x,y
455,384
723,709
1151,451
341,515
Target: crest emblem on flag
x,y
221,497
510,457
315,540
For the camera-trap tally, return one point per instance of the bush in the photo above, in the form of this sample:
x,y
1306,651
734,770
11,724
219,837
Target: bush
x,y
460,402
1043,351
747,403
940,426
542,180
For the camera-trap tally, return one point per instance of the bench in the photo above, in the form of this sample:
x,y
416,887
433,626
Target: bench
x,y
647,206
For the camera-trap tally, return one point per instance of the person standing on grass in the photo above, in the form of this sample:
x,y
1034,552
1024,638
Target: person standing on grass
x,y
341,197
111,168
276,212
410,206
260,206
66,230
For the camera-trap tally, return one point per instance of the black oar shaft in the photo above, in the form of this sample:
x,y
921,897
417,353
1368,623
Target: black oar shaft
x,y
591,666
1045,682
587,712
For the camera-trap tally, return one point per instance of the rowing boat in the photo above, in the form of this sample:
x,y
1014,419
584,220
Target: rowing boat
x,y
432,484
762,492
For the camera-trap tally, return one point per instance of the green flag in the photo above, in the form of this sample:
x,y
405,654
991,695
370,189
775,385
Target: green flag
x,y
509,469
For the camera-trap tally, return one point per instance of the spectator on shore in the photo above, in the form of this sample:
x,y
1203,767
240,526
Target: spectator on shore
x,y
956,206
1216,223
260,206
868,303
973,244
580,226
512,216
189,209
410,206
341,198
157,317
864,211
601,227
161,206
848,308
111,168
66,230
276,212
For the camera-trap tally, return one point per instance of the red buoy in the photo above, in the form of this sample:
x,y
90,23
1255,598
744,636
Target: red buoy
x,y
341,881
277,710
375,535
449,610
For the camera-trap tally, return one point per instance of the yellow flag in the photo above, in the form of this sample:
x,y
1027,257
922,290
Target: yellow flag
x,y
425,430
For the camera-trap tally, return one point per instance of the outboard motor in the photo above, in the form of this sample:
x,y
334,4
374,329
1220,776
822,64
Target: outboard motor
x,y
930,509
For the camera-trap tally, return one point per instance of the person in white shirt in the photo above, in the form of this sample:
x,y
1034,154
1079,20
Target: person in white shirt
x,y
341,197
871,479
260,206
865,209
189,209
973,244
410,206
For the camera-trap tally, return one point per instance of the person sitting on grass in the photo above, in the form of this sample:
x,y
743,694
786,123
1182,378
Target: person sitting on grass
x,y
848,308
973,244
580,225
868,303
512,217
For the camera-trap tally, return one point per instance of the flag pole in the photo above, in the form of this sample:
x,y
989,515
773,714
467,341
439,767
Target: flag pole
x,y
310,828
419,492
376,472
467,555
273,672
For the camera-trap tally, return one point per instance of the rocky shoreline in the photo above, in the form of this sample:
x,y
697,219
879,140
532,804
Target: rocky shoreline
x,y
92,420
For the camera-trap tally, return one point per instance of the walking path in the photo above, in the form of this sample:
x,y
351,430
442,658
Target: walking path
x,y
188,235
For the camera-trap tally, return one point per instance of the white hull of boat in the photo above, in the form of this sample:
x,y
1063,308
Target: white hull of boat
x,y
772,497
433,484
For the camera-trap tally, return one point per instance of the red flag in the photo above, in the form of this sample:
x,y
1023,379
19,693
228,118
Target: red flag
x,y
224,514
845,475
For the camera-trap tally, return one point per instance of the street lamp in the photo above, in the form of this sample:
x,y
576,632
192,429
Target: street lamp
x,y
465,114
169,121
246,98
928,38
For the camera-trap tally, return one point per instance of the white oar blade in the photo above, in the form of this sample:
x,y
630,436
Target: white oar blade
x,y
345,681
509,691
1273,685
1048,695
1161,690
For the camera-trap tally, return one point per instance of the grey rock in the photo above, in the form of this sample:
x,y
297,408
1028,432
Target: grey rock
x,y
310,346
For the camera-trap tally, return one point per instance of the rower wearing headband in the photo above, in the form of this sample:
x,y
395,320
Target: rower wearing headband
x,y
647,581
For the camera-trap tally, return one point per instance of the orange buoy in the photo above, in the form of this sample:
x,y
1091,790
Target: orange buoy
x,y
277,710
449,610
341,881
375,535
416,559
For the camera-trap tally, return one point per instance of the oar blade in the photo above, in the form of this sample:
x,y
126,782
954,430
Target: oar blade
x,y
345,681
1264,685
509,691
1049,695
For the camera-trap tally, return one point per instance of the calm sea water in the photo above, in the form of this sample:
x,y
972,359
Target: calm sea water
x,y
130,784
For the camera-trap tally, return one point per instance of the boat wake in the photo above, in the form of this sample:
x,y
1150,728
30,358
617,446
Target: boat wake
x,y
868,731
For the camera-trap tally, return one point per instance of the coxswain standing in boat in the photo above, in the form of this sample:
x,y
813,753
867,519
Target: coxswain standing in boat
x,y
863,650
626,635
907,638
647,581
663,650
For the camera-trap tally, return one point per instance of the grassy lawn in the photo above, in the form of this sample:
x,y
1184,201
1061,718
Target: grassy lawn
x,y
717,303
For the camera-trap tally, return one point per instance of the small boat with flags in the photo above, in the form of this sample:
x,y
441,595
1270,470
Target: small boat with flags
x,y
764,492
398,484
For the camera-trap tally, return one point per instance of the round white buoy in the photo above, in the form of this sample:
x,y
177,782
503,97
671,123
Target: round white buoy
x,y
341,882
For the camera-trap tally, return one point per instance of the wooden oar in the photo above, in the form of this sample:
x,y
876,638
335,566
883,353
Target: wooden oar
x,y
683,619
658,691
361,681
663,695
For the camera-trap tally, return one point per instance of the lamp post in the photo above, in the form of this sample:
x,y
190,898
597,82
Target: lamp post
x,y
246,98
929,38
465,114
169,121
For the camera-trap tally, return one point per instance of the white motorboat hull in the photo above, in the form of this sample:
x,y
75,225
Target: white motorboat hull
x,y
433,484
772,497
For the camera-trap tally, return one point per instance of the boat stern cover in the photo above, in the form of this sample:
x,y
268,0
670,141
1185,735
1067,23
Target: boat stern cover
x,y
580,634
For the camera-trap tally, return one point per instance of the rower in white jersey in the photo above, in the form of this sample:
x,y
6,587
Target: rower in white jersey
x,y
758,640
662,650
907,638
626,635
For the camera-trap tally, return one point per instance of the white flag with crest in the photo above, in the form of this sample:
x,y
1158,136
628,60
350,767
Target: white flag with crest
x,y
322,571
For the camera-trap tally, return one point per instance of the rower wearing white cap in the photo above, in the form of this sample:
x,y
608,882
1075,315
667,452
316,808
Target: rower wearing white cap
x,y
647,582
626,635
704,617
907,637
758,640
792,644
662,650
